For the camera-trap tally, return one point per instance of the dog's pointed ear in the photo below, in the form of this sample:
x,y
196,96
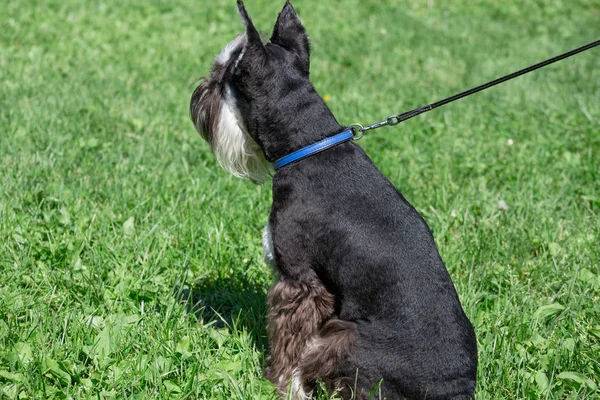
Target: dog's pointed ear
x,y
254,43
290,34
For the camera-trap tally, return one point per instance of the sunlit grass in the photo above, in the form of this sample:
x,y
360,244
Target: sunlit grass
x,y
131,266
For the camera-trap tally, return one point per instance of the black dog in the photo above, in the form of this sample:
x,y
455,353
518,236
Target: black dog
x,y
363,297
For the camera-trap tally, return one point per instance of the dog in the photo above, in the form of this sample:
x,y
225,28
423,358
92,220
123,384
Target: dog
x,y
363,302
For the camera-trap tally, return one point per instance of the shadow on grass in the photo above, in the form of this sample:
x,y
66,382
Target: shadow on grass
x,y
233,303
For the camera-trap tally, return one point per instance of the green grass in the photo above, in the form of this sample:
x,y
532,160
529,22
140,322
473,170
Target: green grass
x,y
119,235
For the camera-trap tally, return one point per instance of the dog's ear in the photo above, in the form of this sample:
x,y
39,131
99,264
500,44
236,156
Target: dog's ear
x,y
290,34
254,43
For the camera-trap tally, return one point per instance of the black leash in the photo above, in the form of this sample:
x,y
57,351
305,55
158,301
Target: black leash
x,y
359,130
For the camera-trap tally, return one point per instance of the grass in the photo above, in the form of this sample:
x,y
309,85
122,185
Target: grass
x,y
130,265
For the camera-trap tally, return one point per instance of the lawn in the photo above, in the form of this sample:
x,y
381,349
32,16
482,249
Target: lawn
x,y
131,265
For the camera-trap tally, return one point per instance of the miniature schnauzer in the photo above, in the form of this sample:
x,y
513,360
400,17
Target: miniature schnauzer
x,y
363,301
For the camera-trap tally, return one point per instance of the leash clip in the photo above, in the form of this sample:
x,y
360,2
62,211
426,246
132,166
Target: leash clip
x,y
358,131
393,120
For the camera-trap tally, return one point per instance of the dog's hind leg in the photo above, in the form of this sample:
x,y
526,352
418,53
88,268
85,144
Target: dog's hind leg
x,y
297,310
325,357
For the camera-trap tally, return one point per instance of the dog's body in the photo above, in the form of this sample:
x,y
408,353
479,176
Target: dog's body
x,y
339,225
363,297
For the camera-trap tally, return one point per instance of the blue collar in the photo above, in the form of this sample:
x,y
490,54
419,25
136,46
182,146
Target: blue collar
x,y
314,148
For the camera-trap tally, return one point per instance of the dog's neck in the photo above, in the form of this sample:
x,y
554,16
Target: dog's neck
x,y
312,123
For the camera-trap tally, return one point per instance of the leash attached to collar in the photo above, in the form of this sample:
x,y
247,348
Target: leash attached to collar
x,y
314,148
396,119
356,131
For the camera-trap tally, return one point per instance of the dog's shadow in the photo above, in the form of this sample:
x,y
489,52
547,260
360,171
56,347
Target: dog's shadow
x,y
232,303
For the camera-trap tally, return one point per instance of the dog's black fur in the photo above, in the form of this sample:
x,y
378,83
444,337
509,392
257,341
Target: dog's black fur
x,y
362,294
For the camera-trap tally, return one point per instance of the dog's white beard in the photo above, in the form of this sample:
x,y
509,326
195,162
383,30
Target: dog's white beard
x,y
233,147
235,150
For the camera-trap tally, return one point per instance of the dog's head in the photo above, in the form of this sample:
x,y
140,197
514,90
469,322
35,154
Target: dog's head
x,y
251,106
